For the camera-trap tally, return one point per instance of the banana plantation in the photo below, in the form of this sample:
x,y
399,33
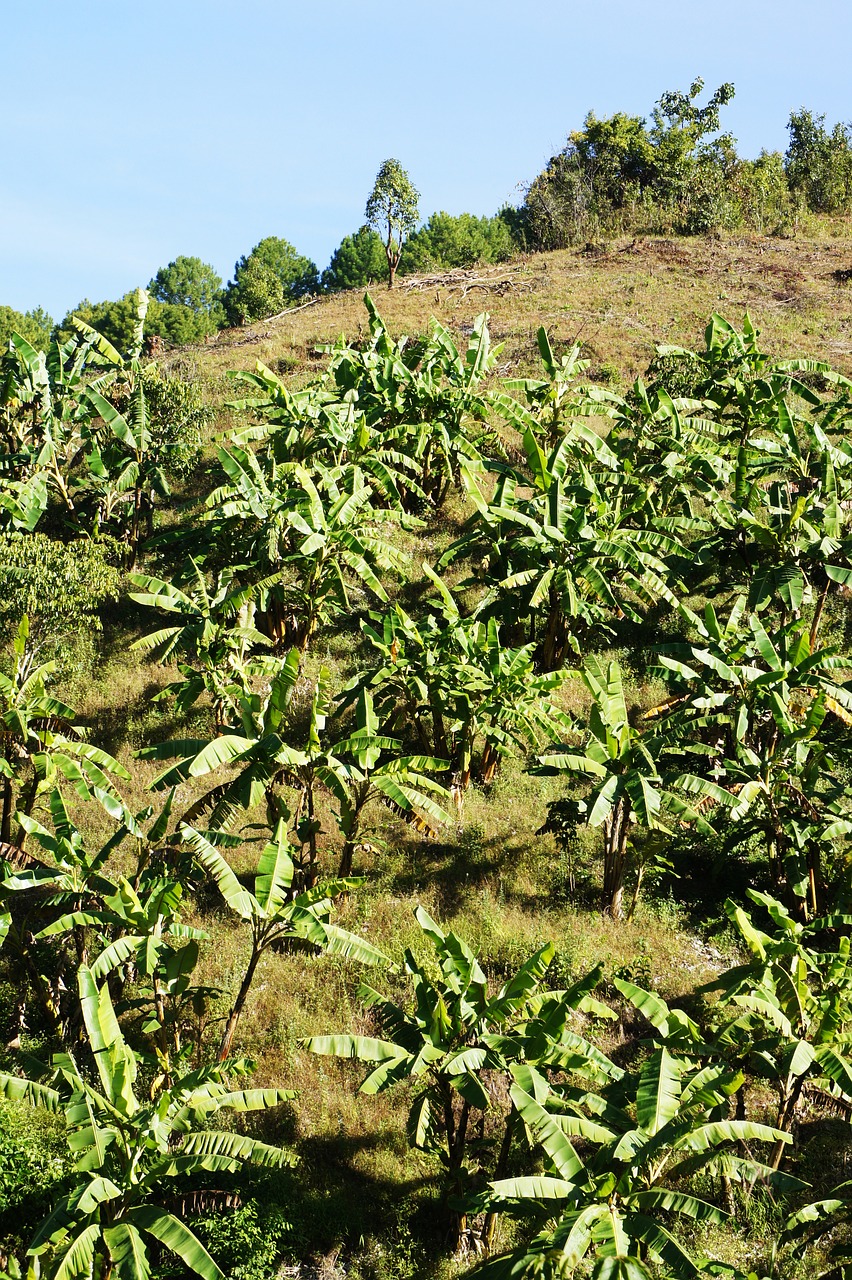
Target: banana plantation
x,y
371,600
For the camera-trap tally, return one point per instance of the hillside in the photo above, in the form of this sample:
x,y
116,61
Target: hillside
x,y
358,1200
619,300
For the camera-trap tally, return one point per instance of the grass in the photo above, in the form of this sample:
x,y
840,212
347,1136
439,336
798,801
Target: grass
x,y
618,303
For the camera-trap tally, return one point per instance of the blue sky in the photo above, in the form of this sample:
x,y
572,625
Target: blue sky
x,y
134,133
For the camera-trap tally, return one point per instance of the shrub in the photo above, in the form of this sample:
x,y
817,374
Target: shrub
x,y
34,326
57,584
273,276
358,261
446,241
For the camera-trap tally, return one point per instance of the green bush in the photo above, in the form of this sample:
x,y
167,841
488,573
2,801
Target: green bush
x,y
818,163
178,418
57,584
34,326
33,1163
446,241
273,276
176,324
246,1241
357,261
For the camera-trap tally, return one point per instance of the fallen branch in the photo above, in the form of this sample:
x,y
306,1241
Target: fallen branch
x,y
497,281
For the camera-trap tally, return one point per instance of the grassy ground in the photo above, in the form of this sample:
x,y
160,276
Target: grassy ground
x,y
619,301
359,1198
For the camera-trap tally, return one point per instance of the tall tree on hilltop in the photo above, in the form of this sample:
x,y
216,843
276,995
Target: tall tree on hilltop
x,y
392,211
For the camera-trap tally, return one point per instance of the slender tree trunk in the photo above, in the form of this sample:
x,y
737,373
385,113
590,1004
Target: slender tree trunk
x,y
456,1141
234,1015
817,619
6,823
615,859
790,1094
640,874
553,644
26,807
439,734
489,1230
351,841
312,837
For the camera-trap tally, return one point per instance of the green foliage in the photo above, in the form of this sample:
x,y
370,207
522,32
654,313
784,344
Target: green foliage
x,y
41,743
179,325
191,283
179,417
617,171
818,163
627,785
445,241
792,1008
358,261
273,276
35,326
128,1148
392,211
451,681
277,910
642,1134
33,1165
246,1240
457,1036
56,584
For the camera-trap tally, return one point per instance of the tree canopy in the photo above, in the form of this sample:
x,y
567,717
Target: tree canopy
x,y
189,282
34,326
358,260
273,276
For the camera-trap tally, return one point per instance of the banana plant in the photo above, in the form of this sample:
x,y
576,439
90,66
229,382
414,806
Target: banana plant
x,y
69,897
43,420
751,710
313,530
125,467
277,910
130,1150
140,933
316,426
552,400
353,771
572,556
792,1007
361,767
457,1035
465,692
631,786
40,743
213,632
427,402
616,1200
254,739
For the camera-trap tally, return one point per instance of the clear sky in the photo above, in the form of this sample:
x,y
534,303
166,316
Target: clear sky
x,y
136,132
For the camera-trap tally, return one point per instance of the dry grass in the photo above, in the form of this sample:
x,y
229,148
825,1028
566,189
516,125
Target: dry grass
x,y
619,302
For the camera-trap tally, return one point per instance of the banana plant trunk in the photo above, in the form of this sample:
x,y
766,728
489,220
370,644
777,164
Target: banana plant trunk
x,y
489,1230
456,1145
6,822
555,640
237,1008
488,764
353,829
615,833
